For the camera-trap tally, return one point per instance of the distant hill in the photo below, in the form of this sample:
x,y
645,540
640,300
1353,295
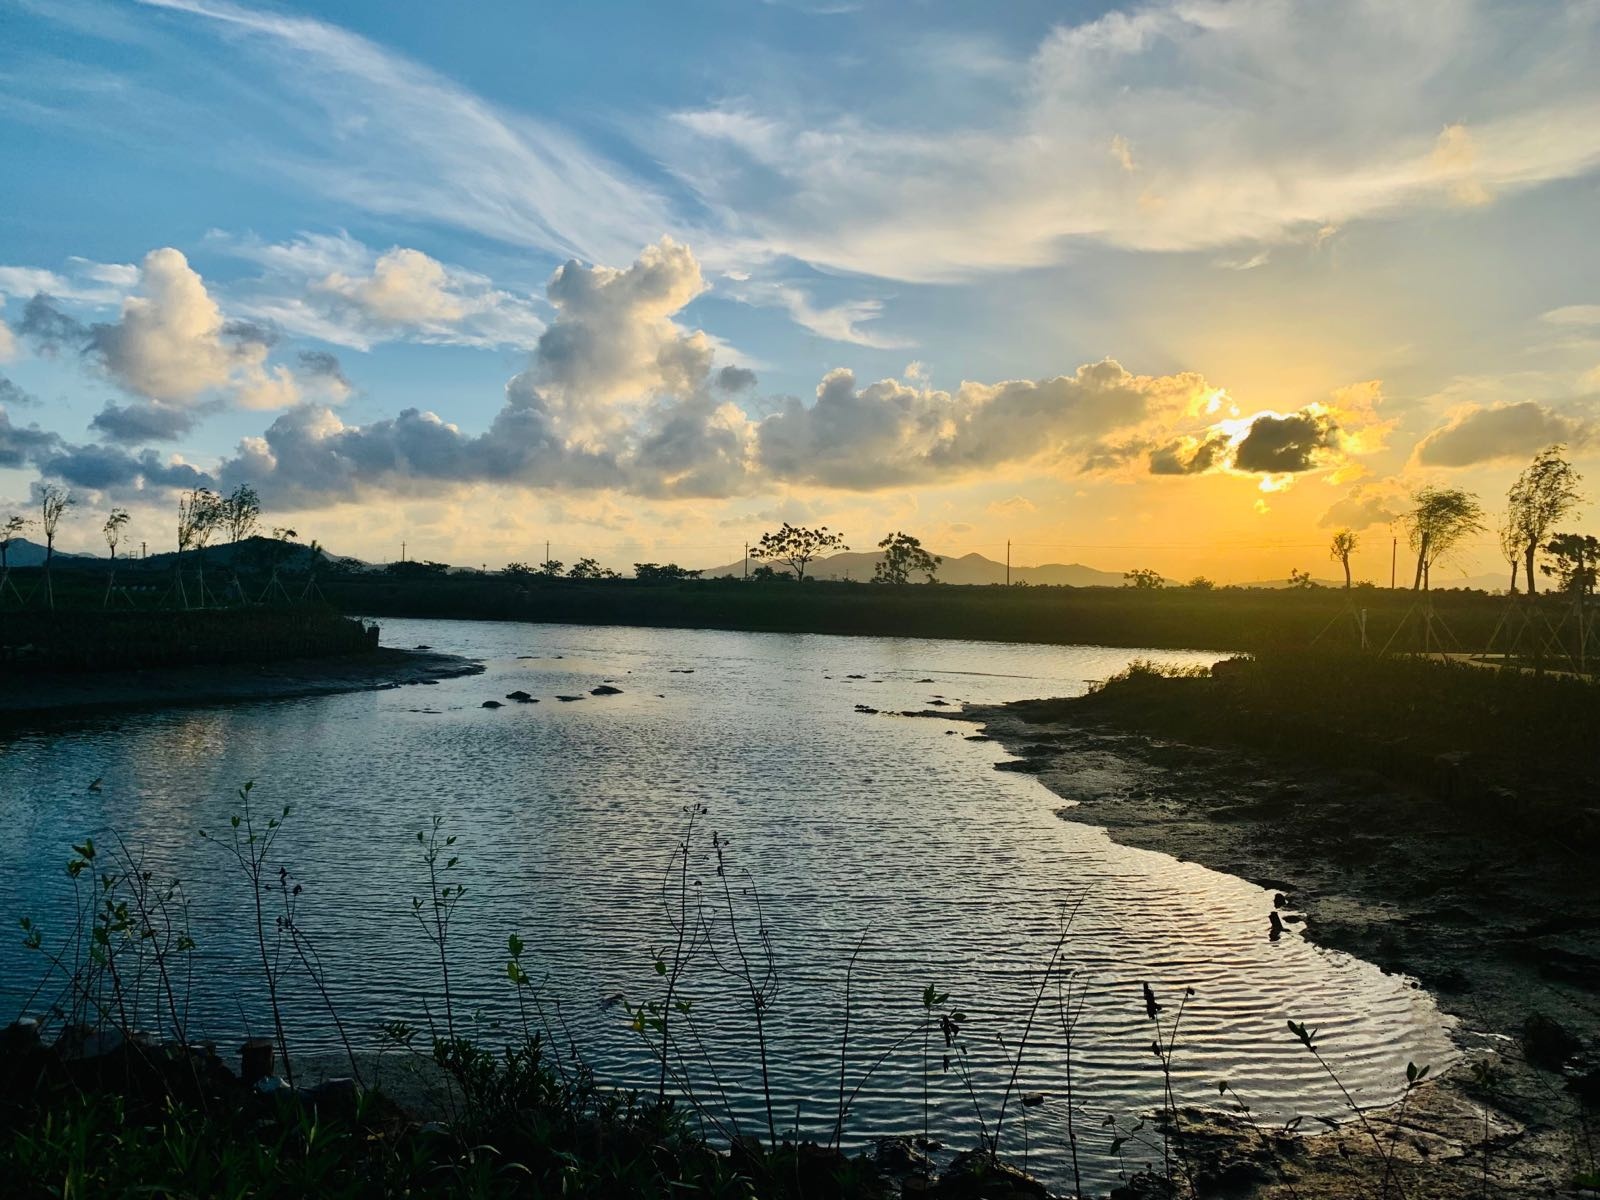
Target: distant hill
x,y
24,553
969,568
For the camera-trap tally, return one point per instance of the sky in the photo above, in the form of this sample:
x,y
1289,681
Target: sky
x,y
1182,285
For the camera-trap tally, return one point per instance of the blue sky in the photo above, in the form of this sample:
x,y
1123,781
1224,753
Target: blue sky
x,y
1333,251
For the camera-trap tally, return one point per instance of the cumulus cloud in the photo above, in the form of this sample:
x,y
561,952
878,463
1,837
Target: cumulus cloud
x,y
1189,455
322,370
8,343
23,445
733,379
1366,504
891,433
143,421
1500,432
48,329
1278,445
13,396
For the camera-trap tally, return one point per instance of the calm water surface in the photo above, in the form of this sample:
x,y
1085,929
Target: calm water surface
x,y
849,824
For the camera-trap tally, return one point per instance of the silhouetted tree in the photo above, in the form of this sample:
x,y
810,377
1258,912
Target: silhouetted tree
x,y
10,531
1511,547
903,557
796,546
199,512
1302,579
112,529
588,568
53,504
550,568
1341,548
1577,560
662,572
1144,579
415,569
1546,491
240,512
1200,584
1439,519
516,570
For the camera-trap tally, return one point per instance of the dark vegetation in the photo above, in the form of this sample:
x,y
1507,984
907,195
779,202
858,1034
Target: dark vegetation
x,y
1164,618
75,640
1510,743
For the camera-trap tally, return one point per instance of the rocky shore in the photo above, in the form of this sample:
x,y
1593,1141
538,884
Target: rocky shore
x,y
24,698
1501,923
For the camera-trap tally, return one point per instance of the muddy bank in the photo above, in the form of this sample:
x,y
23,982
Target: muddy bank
x,y
22,699
1501,924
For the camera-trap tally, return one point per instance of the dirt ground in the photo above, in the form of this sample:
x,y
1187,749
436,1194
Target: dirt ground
x,y
1502,928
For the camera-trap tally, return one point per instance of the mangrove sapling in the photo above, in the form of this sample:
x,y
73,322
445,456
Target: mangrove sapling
x,y
311,962
1070,1014
1485,1079
1171,1132
250,847
1027,1028
844,1039
688,937
761,986
1224,1088
443,898
1414,1077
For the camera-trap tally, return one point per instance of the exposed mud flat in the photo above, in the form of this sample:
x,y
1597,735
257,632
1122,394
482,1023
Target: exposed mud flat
x,y
1501,925
55,696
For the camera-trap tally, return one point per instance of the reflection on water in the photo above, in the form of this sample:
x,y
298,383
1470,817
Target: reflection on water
x,y
567,816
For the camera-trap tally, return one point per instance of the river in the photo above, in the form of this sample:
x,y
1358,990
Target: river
x,y
848,827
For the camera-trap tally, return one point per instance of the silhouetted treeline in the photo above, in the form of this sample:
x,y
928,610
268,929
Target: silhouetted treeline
x,y
1224,619
108,640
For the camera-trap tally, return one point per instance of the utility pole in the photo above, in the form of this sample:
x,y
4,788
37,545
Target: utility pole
x,y
402,552
1394,552
1008,562
747,560
546,551
144,549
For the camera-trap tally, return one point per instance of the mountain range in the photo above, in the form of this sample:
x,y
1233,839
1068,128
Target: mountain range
x,y
968,568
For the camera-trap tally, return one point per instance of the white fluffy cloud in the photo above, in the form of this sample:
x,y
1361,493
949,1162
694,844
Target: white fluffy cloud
x,y
8,343
334,288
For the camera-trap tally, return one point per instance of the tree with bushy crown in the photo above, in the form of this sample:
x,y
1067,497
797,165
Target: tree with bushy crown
x,y
796,545
903,557
1439,520
1543,494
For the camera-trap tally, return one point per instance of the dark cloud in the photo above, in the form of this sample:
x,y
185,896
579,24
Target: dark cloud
x,y
13,396
111,468
49,330
22,446
252,333
733,379
1505,431
319,364
1187,456
1285,445
143,421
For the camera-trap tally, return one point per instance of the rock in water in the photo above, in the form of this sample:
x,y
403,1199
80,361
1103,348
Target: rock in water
x,y
521,697
492,704
605,689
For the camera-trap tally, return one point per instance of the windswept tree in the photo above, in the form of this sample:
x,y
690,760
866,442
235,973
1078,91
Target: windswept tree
x,y
1439,520
112,530
10,530
796,545
53,504
903,557
1511,547
1543,494
1340,549
240,513
199,513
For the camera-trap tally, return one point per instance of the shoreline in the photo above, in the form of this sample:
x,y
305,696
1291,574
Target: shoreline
x,y
1496,931
66,695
